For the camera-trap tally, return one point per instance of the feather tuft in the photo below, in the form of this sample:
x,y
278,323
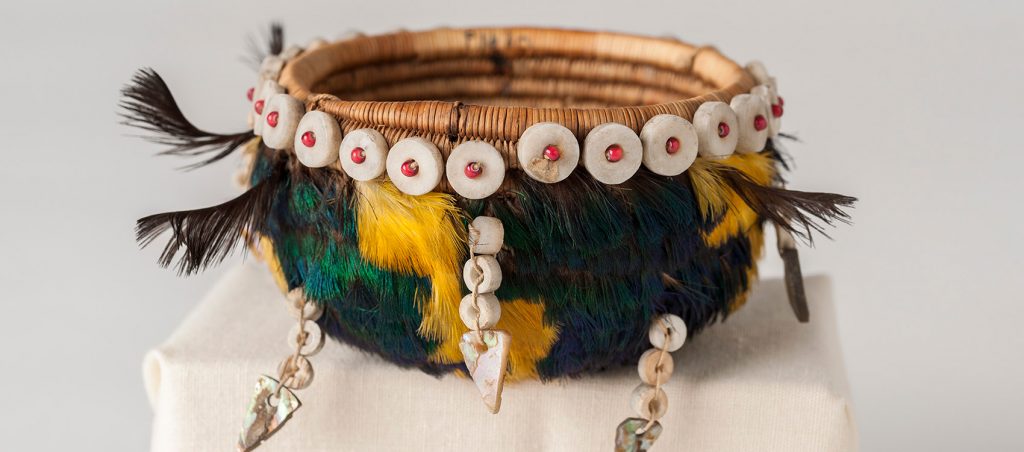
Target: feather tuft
x,y
149,105
209,235
798,212
274,45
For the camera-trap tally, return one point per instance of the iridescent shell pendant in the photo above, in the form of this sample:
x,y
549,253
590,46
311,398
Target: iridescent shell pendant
x,y
486,355
267,412
628,440
273,403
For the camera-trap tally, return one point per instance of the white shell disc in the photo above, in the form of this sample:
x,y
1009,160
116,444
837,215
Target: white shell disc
x,y
597,149
668,331
486,305
291,52
363,153
314,341
271,66
717,132
758,71
658,156
486,235
261,95
490,270
771,97
649,370
289,112
649,402
486,159
424,156
751,113
317,139
531,155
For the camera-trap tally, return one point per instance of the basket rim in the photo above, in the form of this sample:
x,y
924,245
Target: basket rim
x,y
499,123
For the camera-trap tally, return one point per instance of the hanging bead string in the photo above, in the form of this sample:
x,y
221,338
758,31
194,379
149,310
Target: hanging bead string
x,y
478,277
484,348
666,334
287,372
658,380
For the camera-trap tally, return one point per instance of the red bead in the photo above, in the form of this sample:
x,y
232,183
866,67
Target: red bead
x,y
308,139
358,155
552,153
272,119
723,130
473,170
258,106
760,123
782,103
777,109
410,168
672,145
249,93
614,153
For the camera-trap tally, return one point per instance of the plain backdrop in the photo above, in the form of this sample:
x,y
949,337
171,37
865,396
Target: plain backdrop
x,y
914,107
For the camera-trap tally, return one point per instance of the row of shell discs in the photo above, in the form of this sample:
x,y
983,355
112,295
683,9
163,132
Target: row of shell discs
x,y
482,275
475,169
612,153
667,334
270,71
767,89
667,144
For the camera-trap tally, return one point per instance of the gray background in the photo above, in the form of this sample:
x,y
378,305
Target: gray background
x,y
916,108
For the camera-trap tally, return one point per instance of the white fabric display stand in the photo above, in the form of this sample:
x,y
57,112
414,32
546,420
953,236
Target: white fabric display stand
x,y
758,381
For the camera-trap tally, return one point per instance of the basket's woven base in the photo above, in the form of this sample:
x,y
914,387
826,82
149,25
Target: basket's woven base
x,y
759,381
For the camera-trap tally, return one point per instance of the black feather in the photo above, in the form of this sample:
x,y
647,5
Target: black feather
x,y
209,235
274,45
798,212
149,105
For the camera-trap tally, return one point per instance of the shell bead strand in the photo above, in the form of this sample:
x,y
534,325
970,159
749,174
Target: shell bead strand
x,y
484,349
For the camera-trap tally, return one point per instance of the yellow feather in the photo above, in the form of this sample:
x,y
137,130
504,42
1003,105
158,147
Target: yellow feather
x,y
420,235
424,235
274,265
709,187
531,338
714,195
